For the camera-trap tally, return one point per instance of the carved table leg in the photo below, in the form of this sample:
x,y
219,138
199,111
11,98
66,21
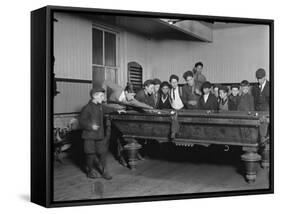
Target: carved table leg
x,y
131,149
265,156
251,159
264,142
121,153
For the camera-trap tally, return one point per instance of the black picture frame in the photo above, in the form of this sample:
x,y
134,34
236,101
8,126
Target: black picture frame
x,y
42,91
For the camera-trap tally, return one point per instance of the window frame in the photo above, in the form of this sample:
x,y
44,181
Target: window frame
x,y
105,29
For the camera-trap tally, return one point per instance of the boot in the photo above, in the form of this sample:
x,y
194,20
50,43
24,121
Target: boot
x,y
97,164
93,174
105,173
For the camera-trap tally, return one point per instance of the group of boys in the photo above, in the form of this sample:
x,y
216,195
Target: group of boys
x,y
197,93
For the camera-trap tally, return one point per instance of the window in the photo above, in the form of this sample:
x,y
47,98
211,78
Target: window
x,y
104,55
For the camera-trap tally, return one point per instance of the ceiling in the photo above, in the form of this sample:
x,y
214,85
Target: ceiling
x,y
149,27
224,25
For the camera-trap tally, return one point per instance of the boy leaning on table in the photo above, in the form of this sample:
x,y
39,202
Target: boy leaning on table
x,y
95,141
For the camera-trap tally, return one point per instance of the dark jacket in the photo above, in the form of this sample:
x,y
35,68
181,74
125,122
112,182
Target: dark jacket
x,y
145,98
199,78
233,102
261,99
166,104
211,104
188,94
246,103
92,114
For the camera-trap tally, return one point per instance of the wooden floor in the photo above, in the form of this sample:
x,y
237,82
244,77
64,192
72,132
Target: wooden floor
x,y
166,170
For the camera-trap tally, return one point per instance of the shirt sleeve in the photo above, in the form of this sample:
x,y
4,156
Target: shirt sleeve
x,y
109,108
137,103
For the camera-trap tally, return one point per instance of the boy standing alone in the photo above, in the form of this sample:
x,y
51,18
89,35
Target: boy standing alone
x,y
95,142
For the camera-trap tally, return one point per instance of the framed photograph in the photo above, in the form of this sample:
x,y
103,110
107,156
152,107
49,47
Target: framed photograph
x,y
134,106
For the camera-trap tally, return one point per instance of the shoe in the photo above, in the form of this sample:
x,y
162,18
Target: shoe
x,y
106,175
93,174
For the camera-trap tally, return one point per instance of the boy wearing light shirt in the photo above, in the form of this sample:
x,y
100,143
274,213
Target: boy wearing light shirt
x,y
176,93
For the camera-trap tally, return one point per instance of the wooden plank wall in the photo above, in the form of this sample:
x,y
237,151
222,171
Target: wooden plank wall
x,y
235,54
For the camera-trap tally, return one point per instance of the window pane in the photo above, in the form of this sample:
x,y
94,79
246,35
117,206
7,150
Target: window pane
x,y
111,75
110,49
97,47
98,74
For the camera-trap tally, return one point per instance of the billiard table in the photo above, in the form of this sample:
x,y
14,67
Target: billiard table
x,y
248,130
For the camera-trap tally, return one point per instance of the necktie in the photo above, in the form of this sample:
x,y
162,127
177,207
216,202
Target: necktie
x,y
260,86
173,93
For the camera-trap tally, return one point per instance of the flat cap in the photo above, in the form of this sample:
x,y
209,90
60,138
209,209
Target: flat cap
x,y
245,83
260,73
96,89
234,86
223,88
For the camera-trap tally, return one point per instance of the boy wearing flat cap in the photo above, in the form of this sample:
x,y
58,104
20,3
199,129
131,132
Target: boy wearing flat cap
x,y
261,92
126,96
207,101
95,142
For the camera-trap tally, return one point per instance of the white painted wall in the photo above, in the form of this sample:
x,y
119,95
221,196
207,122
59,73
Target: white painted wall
x,y
138,49
234,55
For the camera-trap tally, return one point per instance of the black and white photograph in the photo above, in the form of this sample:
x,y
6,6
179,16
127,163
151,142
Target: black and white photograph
x,y
140,106
143,106
147,106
